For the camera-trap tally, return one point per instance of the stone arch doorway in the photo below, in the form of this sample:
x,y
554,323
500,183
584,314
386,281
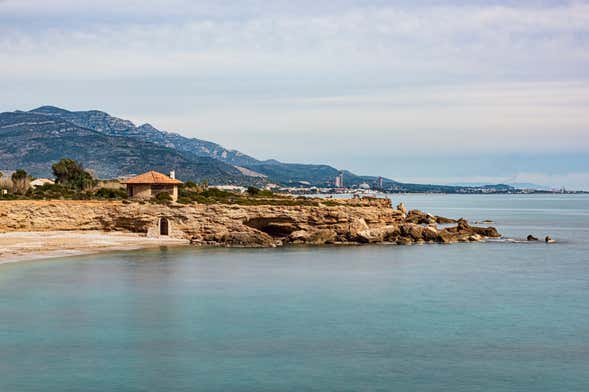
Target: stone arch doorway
x,y
164,226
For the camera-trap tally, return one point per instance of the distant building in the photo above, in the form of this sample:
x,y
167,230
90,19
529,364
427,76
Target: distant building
x,y
339,180
379,182
41,181
152,183
230,188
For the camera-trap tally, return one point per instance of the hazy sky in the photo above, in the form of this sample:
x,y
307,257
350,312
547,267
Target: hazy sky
x,y
424,91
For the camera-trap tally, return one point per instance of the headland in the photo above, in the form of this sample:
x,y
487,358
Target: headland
x,y
87,226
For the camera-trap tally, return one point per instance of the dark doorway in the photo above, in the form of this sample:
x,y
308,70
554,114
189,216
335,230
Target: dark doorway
x,y
164,227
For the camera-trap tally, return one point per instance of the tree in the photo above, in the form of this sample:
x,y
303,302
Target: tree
x,y
71,174
252,190
20,181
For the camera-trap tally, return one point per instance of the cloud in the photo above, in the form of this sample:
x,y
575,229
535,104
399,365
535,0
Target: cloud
x,y
380,76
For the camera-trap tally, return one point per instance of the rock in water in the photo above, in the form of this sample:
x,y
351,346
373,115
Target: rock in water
x,y
549,239
532,238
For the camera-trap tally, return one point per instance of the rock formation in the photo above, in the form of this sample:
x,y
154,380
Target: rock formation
x,y
340,222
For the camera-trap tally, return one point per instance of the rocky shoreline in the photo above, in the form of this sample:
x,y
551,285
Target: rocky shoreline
x,y
352,221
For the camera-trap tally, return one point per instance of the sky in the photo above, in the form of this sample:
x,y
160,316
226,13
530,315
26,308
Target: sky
x,y
418,91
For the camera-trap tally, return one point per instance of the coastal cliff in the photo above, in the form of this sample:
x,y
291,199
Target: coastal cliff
x,y
339,222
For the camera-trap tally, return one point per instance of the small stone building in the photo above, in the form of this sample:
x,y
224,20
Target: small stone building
x,y
150,184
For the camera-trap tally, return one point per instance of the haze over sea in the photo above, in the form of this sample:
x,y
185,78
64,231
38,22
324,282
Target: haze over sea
x,y
496,316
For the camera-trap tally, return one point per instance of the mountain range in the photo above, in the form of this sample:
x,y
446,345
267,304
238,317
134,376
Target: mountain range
x,y
112,147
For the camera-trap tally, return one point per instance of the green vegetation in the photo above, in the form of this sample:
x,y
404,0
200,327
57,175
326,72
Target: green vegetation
x,y
163,198
71,174
253,191
72,183
20,181
111,194
56,191
252,197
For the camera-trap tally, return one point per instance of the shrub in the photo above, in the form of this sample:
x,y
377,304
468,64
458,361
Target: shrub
x,y
8,196
184,200
51,191
20,181
217,193
109,193
72,175
163,198
266,193
253,191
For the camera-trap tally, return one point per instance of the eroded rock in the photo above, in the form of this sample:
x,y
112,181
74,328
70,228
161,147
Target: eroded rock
x,y
356,221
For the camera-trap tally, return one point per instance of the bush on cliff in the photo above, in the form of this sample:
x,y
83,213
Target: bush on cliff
x,y
255,192
71,174
57,192
163,198
8,196
109,193
20,181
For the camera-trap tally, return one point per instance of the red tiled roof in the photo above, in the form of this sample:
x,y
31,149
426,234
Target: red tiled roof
x,y
152,177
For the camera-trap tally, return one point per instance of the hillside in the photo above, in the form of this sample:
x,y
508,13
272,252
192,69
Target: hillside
x,y
113,147
35,141
278,172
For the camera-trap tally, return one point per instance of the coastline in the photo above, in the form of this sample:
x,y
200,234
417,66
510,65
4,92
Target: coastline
x,y
40,245
56,228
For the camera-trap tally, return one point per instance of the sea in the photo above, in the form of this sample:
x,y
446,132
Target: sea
x,y
505,315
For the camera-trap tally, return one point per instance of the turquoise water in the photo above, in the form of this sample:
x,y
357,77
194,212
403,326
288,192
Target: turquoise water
x,y
463,317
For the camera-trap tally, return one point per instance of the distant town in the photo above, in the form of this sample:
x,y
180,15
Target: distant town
x,y
378,186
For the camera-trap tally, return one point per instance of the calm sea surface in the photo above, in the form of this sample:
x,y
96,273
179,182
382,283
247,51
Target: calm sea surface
x,y
464,317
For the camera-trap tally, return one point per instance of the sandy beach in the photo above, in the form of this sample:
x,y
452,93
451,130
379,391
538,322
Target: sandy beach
x,y
21,246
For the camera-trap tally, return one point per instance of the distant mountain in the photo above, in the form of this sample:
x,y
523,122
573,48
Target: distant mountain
x,y
114,147
105,123
273,170
34,141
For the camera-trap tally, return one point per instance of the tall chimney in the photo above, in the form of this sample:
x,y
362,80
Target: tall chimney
x,y
173,174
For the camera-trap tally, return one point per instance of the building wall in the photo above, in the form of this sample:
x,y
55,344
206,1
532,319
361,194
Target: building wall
x,y
140,191
172,190
146,192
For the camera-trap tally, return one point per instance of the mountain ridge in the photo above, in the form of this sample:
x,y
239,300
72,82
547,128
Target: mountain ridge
x,y
35,141
273,170
115,147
